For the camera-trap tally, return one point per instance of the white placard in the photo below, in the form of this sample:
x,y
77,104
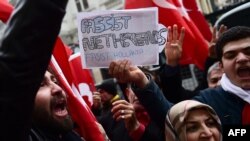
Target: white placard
x,y
105,36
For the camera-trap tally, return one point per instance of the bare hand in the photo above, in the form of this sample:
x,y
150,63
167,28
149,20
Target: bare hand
x,y
122,110
173,48
215,36
97,100
124,72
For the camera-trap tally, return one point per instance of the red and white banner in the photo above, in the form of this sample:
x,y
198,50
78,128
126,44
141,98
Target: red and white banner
x,y
198,18
195,46
82,78
70,82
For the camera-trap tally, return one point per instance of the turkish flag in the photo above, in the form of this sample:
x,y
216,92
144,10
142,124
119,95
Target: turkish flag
x,y
195,47
5,10
78,108
72,69
82,78
198,18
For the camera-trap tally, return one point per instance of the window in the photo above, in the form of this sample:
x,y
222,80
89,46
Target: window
x,y
82,4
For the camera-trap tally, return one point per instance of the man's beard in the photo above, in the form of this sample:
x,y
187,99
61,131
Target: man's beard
x,y
42,119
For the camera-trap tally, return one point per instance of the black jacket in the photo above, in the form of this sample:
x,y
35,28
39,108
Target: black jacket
x,y
37,134
25,52
171,80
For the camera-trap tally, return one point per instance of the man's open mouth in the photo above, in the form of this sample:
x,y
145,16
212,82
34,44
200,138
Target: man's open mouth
x,y
59,108
243,72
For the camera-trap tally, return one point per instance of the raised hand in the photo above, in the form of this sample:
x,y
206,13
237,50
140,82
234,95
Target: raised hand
x,y
125,72
215,36
97,100
173,48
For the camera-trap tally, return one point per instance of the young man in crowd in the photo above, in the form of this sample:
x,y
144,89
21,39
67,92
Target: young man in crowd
x,y
170,72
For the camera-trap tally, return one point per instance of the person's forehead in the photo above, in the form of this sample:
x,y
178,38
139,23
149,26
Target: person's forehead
x,y
101,90
217,71
96,93
197,113
48,74
237,45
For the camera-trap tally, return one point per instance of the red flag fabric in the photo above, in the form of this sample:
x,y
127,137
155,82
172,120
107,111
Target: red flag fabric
x,y
61,53
198,18
82,78
78,108
195,47
132,4
246,114
5,10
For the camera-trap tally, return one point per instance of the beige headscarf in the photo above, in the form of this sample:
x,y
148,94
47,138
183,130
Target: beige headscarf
x,y
175,129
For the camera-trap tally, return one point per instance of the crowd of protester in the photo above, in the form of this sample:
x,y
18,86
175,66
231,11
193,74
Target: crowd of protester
x,y
130,106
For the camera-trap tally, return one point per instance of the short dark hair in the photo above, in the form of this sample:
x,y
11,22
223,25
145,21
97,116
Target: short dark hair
x,y
109,85
232,34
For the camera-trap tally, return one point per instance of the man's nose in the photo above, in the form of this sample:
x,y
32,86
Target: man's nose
x,y
241,58
55,89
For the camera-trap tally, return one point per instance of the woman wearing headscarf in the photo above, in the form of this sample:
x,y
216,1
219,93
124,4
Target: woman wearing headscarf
x,y
191,120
